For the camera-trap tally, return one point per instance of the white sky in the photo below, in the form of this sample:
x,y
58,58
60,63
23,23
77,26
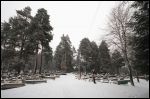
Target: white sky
x,y
78,19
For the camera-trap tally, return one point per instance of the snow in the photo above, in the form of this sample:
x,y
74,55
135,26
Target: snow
x,y
67,86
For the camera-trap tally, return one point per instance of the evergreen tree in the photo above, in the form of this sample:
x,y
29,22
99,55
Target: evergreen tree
x,y
89,53
85,49
58,57
105,58
47,59
41,29
140,40
74,61
63,55
6,52
17,35
67,54
95,64
117,61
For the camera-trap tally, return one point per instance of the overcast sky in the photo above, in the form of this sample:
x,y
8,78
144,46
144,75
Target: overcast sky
x,y
78,19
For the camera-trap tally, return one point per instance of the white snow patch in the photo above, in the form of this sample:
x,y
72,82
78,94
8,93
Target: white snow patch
x,y
67,86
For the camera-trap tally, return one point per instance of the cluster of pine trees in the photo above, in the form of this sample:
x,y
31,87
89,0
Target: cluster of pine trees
x,y
64,55
21,39
88,57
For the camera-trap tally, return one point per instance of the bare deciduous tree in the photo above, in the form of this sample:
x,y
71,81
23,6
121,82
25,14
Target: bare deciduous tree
x,y
120,16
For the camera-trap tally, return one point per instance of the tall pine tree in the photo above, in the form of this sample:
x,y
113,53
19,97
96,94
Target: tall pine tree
x,y
63,55
95,64
117,61
41,29
85,50
105,59
140,40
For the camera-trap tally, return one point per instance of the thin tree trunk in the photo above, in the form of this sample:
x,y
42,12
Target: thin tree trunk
x,y
131,77
36,60
21,57
65,63
79,66
80,69
3,63
127,61
41,61
130,69
137,76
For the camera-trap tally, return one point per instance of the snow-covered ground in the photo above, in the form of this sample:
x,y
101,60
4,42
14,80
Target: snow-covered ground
x,y
68,86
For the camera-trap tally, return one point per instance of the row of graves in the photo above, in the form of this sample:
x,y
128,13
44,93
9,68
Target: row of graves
x,y
13,80
107,78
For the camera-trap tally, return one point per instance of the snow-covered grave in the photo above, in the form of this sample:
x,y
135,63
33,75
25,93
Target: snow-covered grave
x,y
69,86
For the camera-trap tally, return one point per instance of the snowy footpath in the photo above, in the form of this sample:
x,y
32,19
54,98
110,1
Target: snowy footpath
x,y
67,86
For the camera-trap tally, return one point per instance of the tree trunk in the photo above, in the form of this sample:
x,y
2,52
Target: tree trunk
x,y
3,63
36,60
41,61
131,78
80,70
65,63
137,76
129,67
21,57
126,56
